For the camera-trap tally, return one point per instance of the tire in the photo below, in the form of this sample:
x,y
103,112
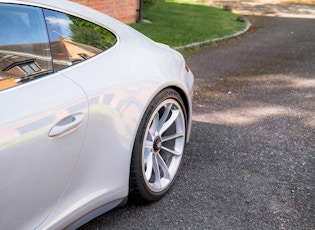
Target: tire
x,y
158,147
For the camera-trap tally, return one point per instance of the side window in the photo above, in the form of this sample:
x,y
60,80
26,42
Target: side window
x,y
74,39
24,45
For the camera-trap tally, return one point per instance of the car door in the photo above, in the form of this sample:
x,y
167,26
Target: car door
x,y
43,119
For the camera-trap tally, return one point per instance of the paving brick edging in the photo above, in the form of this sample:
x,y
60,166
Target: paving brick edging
x,y
202,43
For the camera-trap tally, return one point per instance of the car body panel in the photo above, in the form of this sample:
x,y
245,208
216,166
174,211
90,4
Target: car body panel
x,y
35,169
110,92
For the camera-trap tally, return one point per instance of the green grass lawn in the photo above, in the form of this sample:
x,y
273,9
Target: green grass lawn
x,y
180,22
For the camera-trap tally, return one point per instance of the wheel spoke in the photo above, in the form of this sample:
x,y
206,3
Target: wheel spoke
x,y
172,137
174,152
167,110
148,144
164,167
154,125
148,163
170,121
156,169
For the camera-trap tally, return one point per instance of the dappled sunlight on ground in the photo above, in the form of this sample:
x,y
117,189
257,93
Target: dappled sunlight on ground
x,y
272,8
269,88
310,121
277,10
246,116
282,81
233,101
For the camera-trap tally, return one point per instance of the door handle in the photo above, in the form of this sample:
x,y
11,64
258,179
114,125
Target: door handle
x,y
66,125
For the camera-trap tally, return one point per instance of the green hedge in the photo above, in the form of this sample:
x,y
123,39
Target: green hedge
x,y
148,3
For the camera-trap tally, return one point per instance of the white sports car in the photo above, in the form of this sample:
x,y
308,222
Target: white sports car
x,y
92,111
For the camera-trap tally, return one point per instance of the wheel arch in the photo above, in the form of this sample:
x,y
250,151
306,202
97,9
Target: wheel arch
x,y
188,109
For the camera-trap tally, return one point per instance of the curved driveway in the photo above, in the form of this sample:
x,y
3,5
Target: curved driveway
x,y
250,163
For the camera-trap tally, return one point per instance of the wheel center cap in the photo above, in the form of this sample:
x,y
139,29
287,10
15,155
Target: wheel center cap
x,y
157,144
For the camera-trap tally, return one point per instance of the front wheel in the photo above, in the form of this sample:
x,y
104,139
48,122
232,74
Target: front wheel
x,y
158,147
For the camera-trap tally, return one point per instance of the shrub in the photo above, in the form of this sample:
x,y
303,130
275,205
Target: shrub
x,y
148,3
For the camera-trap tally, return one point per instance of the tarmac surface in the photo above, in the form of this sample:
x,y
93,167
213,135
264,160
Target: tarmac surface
x,y
273,8
250,163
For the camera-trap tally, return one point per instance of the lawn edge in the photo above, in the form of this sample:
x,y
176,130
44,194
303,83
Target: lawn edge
x,y
202,43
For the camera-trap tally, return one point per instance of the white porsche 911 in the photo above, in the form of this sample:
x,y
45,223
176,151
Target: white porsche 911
x,y
92,111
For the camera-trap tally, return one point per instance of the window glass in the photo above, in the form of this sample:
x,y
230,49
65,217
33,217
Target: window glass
x,y
74,40
24,45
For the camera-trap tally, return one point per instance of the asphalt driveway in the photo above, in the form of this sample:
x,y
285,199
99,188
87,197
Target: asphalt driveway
x,y
250,163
